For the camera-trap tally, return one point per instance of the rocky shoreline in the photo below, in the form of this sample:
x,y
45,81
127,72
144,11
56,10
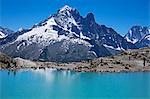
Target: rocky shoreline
x,y
86,69
128,61
80,67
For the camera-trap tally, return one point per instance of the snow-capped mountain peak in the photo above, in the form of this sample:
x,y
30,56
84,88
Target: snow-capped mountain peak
x,y
67,12
67,34
65,8
136,33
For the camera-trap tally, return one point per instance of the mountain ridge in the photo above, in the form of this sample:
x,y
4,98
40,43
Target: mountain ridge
x,y
65,36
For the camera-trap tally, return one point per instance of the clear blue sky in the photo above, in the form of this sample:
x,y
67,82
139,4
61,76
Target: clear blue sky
x,y
118,14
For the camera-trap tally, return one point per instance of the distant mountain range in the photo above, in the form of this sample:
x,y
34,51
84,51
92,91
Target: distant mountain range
x,y
4,32
140,36
67,36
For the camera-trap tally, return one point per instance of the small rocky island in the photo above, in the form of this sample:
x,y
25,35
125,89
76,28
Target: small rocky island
x,y
127,61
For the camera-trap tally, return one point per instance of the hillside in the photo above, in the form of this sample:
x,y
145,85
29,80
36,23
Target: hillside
x,y
131,60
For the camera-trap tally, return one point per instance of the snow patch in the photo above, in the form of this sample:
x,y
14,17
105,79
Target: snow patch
x,y
22,44
20,29
93,53
39,35
84,37
147,37
148,30
132,41
50,22
66,7
2,35
108,46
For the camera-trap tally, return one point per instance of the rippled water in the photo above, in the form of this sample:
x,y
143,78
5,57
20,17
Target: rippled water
x,y
52,84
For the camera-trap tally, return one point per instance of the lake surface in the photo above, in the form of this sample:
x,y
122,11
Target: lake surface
x,y
53,84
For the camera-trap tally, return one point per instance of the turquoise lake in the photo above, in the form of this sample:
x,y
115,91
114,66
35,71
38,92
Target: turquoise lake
x,y
53,84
